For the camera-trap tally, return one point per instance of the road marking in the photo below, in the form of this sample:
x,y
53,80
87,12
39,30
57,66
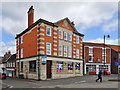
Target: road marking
x,y
10,86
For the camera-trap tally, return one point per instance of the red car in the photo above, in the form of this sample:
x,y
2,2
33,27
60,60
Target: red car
x,y
107,73
2,75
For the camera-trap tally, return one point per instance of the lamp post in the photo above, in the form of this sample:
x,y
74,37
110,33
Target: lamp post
x,y
108,36
38,59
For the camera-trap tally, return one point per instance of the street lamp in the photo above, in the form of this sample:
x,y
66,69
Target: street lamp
x,y
108,36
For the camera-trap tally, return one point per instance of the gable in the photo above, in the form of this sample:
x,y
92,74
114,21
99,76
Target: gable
x,y
64,23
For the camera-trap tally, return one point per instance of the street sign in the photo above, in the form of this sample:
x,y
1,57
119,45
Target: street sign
x,y
117,63
44,59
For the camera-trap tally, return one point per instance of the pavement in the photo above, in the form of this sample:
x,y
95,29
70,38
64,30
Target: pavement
x,y
87,81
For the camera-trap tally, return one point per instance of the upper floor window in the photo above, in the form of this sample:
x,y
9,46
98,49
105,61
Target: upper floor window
x,y
18,54
77,40
90,58
18,41
60,50
65,35
70,37
22,53
48,31
90,50
70,52
103,58
77,53
48,48
65,51
60,34
119,55
21,39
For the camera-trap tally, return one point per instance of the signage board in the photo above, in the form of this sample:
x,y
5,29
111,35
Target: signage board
x,y
44,59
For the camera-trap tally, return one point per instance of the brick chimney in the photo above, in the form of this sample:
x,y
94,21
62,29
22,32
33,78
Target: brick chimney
x,y
30,16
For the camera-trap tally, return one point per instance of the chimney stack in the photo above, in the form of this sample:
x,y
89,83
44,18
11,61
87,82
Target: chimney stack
x,y
73,23
30,16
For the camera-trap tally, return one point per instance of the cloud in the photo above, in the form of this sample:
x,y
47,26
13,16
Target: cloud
x,y
100,40
110,26
5,48
84,14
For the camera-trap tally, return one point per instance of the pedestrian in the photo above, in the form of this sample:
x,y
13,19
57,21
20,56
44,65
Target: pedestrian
x,y
99,76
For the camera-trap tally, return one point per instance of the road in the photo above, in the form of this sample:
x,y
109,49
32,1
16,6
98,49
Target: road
x,y
87,81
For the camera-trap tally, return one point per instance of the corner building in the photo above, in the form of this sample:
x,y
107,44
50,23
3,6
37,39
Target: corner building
x,y
53,49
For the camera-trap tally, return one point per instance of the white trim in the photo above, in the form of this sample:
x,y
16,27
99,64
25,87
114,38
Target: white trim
x,y
55,41
55,33
41,38
97,63
42,30
54,49
41,43
55,45
41,34
41,47
55,37
50,48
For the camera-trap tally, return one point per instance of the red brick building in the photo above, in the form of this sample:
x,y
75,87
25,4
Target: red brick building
x,y
93,54
115,57
57,45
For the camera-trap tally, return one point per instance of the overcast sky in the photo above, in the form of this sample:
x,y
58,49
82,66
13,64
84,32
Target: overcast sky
x,y
93,19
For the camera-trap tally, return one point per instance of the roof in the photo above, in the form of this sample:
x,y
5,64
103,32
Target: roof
x,y
12,58
114,47
5,58
34,24
74,29
49,23
1,58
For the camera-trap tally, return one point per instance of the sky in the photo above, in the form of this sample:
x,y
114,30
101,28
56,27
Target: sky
x,y
93,19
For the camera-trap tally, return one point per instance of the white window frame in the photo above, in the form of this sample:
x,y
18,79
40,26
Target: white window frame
x,y
18,41
18,54
46,31
77,53
70,37
22,53
65,33
91,49
70,52
77,39
48,48
65,51
61,34
92,58
21,39
60,54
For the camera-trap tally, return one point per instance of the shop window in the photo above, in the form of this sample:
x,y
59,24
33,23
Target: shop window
x,y
91,67
21,66
60,34
32,66
48,48
59,66
48,31
101,67
65,35
70,67
65,51
70,37
77,67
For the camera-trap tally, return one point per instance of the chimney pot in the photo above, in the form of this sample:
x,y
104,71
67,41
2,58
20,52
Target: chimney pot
x,y
72,23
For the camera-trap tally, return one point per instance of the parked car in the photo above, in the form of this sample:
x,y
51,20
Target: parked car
x,y
107,73
2,75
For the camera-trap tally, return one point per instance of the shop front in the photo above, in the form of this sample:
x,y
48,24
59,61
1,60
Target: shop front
x,y
94,68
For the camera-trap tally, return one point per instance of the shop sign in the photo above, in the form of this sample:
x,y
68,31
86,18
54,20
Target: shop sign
x,y
44,59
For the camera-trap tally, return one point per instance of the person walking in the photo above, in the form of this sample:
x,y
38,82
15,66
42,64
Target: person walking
x,y
99,76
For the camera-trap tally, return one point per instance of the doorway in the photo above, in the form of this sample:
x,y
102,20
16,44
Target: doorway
x,y
49,64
